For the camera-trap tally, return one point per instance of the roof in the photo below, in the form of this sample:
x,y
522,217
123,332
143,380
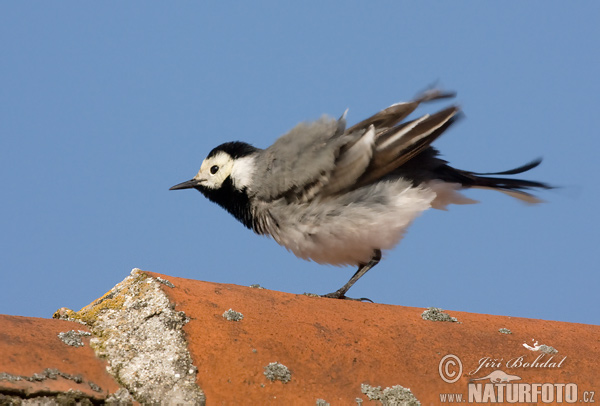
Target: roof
x,y
241,344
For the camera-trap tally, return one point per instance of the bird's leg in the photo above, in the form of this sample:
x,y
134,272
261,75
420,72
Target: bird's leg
x,y
362,269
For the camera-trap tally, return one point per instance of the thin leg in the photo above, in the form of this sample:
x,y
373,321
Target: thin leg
x,y
362,269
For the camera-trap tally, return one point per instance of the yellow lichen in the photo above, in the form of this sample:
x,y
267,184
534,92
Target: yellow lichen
x,y
114,299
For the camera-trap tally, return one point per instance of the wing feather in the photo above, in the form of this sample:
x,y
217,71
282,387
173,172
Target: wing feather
x,y
399,144
351,163
298,164
323,158
397,112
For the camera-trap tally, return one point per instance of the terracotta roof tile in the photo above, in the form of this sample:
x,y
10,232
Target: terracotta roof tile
x,y
35,361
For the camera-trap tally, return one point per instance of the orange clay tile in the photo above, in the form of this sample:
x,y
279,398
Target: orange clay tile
x,y
332,347
30,348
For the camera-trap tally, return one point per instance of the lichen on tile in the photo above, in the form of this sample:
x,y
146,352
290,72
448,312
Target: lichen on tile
x,y
397,395
232,315
437,314
137,329
277,372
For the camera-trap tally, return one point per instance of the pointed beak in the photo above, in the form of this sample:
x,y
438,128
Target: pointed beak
x,y
189,184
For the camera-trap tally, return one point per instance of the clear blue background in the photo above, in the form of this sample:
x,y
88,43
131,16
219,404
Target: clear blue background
x,y
105,105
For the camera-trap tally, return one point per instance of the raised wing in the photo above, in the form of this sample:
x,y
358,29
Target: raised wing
x,y
322,158
397,112
397,145
384,145
316,160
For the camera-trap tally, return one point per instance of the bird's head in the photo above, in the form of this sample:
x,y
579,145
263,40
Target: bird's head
x,y
228,165
224,178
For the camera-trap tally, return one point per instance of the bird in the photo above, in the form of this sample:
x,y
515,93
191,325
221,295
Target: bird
x,y
341,195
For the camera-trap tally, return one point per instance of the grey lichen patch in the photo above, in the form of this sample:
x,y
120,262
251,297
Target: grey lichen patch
x,y
395,396
48,373
437,314
322,402
69,397
73,338
94,387
165,282
505,331
9,377
119,398
547,349
232,315
140,333
277,372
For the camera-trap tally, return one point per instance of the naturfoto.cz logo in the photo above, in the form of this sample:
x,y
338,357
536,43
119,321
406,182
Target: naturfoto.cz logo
x,y
498,386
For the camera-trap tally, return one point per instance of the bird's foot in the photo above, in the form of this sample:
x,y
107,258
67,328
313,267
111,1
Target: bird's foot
x,y
341,295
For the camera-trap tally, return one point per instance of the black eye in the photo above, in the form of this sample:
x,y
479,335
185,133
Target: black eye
x,y
214,169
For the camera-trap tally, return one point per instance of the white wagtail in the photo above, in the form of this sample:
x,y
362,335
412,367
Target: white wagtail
x,y
340,196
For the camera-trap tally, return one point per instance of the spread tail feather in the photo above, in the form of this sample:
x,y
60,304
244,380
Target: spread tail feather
x,y
517,188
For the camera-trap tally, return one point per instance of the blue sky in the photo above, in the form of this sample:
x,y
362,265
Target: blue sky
x,y
105,105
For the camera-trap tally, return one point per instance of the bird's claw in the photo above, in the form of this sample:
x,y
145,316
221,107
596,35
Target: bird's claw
x,y
339,295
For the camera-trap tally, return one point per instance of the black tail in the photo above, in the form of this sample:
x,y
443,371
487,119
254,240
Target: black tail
x,y
515,187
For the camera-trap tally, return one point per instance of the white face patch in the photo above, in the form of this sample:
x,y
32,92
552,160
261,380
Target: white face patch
x,y
215,170
242,172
